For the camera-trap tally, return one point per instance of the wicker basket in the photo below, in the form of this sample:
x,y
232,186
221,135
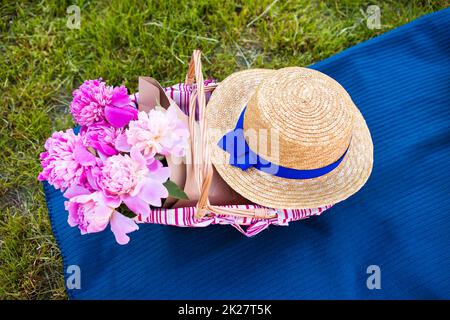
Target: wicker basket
x,y
249,219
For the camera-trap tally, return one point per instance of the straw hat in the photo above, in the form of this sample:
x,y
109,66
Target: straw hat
x,y
316,137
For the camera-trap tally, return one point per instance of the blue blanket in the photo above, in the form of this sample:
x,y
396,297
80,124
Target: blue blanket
x,y
399,221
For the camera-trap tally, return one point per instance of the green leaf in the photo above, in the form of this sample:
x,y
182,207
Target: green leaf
x,y
123,209
175,191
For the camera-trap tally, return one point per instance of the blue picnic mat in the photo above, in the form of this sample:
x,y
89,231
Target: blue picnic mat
x,y
399,221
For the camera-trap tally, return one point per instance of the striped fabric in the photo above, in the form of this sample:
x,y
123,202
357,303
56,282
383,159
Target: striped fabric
x,y
180,93
185,217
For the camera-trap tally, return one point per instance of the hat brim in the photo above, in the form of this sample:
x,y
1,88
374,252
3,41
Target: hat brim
x,y
223,110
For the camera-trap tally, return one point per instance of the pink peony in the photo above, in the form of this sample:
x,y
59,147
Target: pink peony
x,y
102,137
157,131
129,178
66,161
92,212
94,102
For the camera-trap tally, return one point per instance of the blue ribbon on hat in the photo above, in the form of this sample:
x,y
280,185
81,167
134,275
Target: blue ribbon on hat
x,y
241,156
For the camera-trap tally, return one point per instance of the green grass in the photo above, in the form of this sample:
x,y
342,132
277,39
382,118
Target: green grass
x,y
42,61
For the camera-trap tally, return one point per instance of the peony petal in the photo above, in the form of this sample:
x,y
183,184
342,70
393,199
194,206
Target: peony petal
x,y
111,201
181,131
137,157
92,177
120,117
172,111
132,110
121,143
83,156
42,177
102,157
120,97
137,205
152,191
105,149
152,163
161,174
75,190
120,226
100,219
157,170
72,218
83,198
137,188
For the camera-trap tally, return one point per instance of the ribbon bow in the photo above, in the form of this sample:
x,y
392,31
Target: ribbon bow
x,y
241,156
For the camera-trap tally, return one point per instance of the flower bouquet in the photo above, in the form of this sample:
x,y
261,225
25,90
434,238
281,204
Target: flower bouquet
x,y
114,167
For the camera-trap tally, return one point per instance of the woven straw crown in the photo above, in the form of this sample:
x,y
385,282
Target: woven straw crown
x,y
307,115
316,123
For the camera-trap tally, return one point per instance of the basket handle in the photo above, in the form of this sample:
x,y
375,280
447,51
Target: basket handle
x,y
190,76
202,167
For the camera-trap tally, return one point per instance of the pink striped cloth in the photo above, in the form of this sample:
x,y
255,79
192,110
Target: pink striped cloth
x,y
185,217
181,93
